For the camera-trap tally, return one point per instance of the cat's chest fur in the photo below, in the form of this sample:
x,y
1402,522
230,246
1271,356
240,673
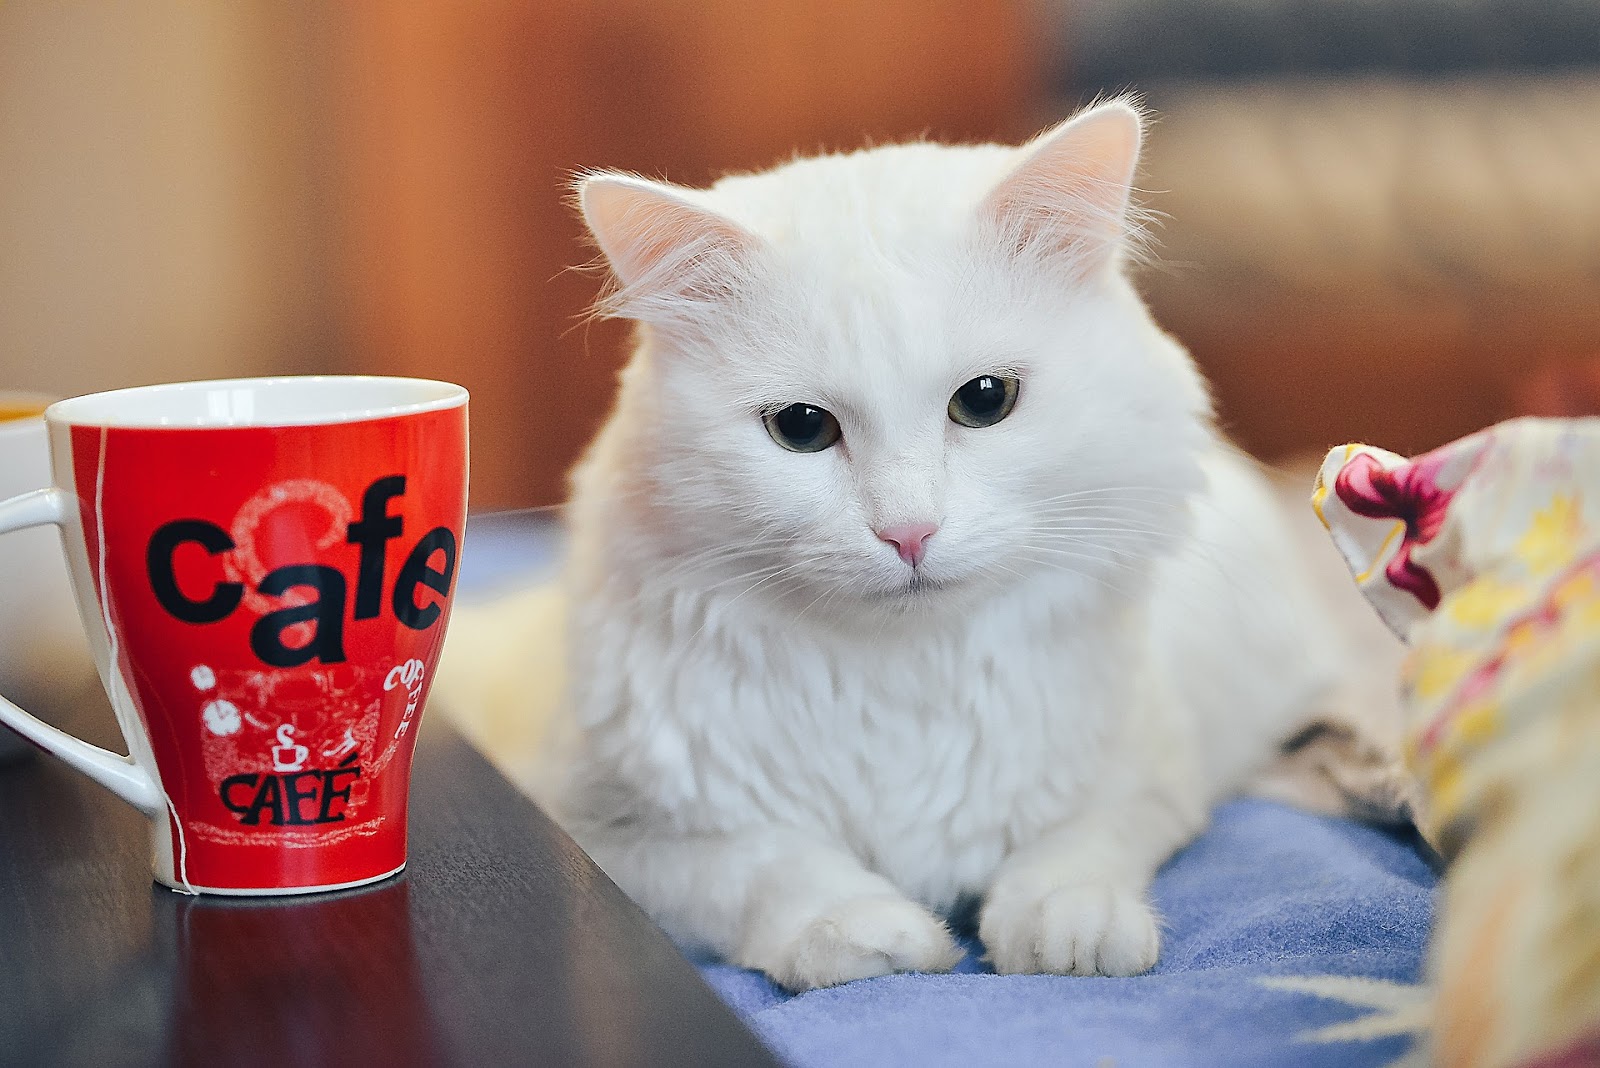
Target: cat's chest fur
x,y
930,753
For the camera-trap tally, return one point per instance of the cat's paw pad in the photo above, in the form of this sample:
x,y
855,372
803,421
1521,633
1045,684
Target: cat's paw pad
x,y
863,937
1081,929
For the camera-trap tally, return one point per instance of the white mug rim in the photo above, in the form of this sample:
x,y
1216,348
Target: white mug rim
x,y
110,408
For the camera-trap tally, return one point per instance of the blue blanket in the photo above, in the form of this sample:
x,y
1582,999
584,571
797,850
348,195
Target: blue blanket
x,y
1290,940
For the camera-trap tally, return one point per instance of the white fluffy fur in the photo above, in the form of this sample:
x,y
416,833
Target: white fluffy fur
x,y
772,735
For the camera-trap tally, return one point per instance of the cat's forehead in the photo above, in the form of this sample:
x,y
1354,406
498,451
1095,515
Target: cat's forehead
x,y
892,194
885,344
872,305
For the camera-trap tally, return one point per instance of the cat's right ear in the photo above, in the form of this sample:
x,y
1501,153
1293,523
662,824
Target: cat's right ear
x,y
1067,202
668,254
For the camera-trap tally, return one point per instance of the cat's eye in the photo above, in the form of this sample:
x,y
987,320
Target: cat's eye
x,y
802,427
984,401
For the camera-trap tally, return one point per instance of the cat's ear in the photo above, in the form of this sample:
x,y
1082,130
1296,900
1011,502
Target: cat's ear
x,y
1068,200
668,253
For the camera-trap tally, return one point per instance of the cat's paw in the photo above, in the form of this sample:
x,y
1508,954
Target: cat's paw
x,y
1078,929
863,937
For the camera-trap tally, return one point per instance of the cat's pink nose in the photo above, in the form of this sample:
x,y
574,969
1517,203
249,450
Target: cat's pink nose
x,y
910,540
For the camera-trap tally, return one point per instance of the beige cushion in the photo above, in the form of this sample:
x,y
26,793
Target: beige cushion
x,y
1378,259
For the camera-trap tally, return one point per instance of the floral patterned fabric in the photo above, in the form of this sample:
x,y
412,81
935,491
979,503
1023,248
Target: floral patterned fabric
x,y
1484,556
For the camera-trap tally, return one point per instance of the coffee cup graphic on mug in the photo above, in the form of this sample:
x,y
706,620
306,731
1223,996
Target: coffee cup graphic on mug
x,y
264,568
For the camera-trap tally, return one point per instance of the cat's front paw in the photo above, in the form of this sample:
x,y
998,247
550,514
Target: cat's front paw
x,y
1077,929
863,937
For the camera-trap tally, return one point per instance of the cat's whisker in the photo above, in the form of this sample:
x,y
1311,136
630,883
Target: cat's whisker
x,y
1157,494
519,513
1132,516
1110,538
1109,523
1163,500
1086,530
1060,565
1101,519
1091,557
726,605
1123,554
1143,519
760,572
1124,503
991,567
1109,508
658,587
826,597
720,553
1118,507
708,560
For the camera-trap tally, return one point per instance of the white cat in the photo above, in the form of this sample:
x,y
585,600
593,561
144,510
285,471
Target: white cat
x,y
908,568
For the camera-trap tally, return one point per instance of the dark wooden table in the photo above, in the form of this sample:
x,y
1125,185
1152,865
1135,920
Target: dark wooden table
x,y
502,943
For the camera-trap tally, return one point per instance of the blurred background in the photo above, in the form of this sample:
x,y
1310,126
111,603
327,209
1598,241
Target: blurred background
x,y
1382,216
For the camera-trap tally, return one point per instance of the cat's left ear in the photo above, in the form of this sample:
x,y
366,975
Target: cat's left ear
x,y
1068,199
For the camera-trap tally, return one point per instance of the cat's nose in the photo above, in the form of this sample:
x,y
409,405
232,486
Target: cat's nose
x,y
910,540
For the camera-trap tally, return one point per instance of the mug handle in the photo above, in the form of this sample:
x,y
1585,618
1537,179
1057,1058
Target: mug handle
x,y
119,774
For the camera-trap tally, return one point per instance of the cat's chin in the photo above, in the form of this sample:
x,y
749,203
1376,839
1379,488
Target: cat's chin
x,y
920,596
919,592
919,585
872,602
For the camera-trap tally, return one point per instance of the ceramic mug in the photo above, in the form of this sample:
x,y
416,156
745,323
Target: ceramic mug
x,y
264,568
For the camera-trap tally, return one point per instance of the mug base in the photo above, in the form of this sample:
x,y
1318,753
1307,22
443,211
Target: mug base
x,y
274,891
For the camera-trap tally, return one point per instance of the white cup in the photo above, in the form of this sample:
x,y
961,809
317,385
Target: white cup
x,y
44,656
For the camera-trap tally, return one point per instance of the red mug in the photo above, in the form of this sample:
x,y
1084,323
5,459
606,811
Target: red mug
x,y
264,568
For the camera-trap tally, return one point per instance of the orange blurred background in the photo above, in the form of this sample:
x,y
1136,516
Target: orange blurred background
x,y
1372,245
